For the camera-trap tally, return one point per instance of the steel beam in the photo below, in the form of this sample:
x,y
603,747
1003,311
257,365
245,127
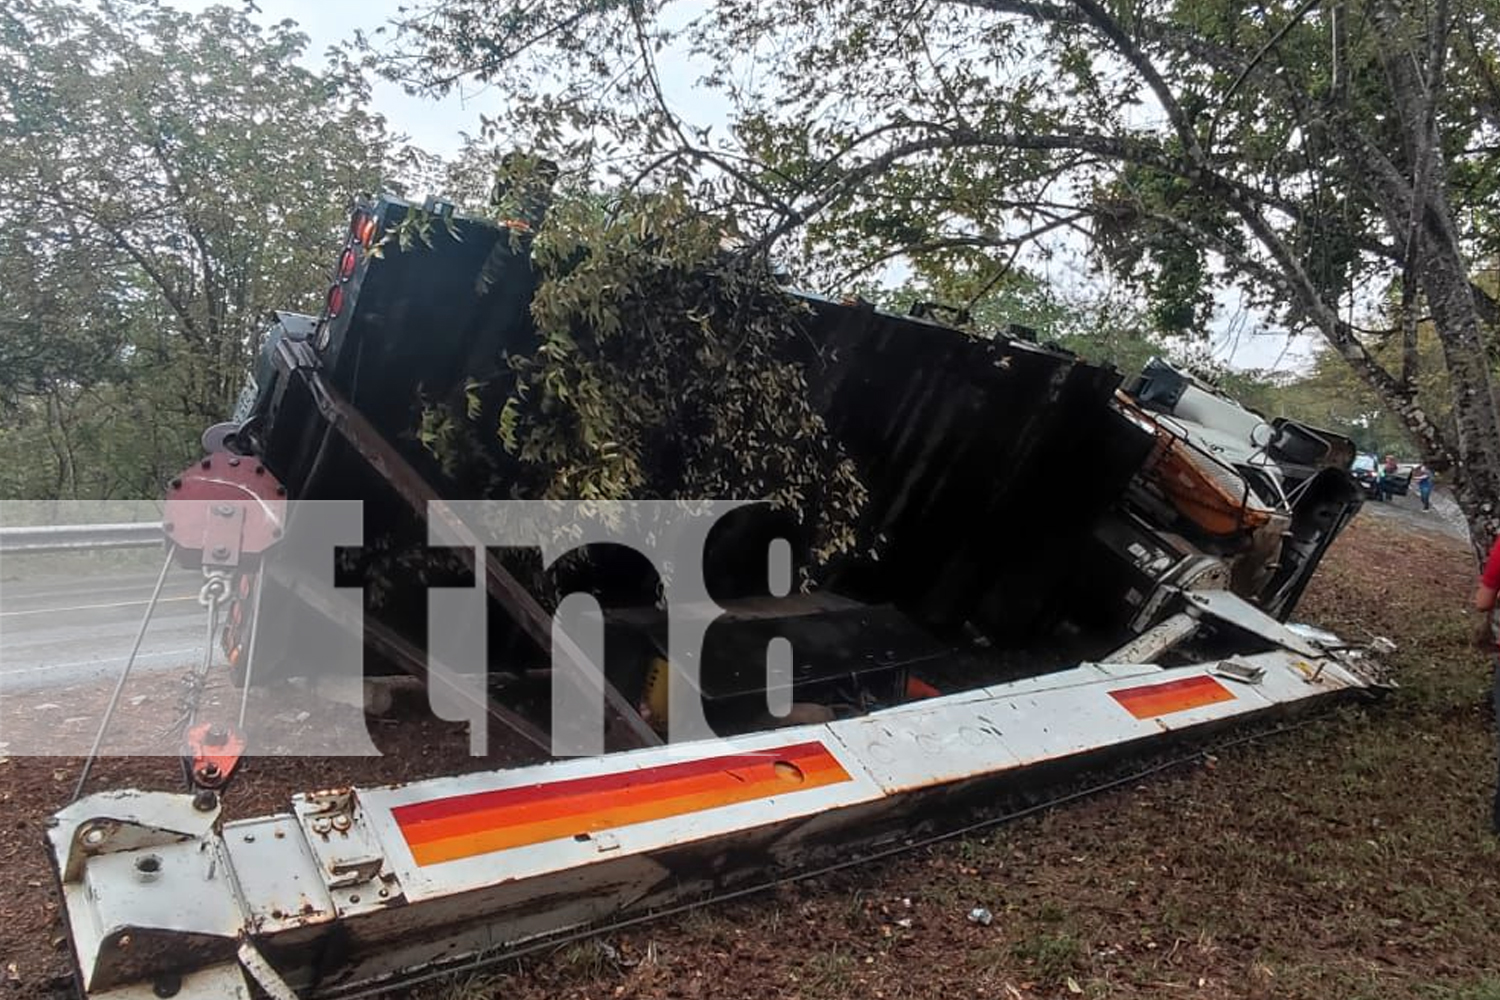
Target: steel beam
x,y
46,538
364,888
424,500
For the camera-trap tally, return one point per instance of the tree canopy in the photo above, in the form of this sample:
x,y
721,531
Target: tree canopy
x,y
171,179
175,177
1332,160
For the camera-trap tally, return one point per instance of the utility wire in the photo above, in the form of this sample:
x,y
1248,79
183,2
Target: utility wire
x,y
114,698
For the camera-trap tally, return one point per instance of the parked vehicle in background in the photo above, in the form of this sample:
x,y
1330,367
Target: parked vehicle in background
x,y
1376,478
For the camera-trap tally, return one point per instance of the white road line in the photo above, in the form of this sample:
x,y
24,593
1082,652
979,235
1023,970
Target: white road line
x,y
96,607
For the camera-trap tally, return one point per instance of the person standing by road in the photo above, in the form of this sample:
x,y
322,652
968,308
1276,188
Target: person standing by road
x,y
1385,472
1484,639
1422,477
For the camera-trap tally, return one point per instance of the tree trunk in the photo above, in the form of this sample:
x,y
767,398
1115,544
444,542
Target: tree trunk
x,y
1445,282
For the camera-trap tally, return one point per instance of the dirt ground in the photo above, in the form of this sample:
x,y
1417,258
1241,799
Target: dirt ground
x,y
1350,858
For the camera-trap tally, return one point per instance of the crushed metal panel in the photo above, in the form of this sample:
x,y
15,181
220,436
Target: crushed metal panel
x,y
1238,612
1321,638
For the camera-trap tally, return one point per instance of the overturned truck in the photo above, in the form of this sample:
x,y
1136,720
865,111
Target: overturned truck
x,y
1069,568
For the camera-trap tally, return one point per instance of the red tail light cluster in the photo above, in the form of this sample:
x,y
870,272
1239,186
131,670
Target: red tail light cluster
x,y
362,229
363,233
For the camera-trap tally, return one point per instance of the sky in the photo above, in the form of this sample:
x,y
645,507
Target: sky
x,y
434,125
1237,338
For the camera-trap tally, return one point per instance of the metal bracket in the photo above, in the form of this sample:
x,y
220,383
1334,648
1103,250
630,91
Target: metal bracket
x,y
114,822
1237,670
211,754
146,873
1227,607
221,535
349,855
226,508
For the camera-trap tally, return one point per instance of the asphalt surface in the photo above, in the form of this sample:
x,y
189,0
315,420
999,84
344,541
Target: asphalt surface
x,y
1444,518
61,630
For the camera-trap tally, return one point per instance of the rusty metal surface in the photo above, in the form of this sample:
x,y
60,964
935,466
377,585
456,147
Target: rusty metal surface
x,y
223,507
277,875
1226,607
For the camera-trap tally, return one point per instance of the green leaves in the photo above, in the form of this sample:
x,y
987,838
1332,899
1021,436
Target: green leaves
x,y
1189,146
665,368
171,179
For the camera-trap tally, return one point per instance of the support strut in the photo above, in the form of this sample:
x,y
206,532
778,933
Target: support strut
x,y
372,446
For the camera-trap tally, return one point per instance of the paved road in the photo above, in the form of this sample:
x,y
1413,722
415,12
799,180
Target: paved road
x,y
1444,518
56,631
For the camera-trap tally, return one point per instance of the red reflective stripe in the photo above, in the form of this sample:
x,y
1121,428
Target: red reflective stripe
x,y
1150,700
421,812
464,826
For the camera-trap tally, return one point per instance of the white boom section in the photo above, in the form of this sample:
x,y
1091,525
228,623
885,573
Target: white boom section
x,y
361,887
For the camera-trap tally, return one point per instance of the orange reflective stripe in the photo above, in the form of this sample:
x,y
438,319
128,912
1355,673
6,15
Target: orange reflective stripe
x,y
466,825
1151,700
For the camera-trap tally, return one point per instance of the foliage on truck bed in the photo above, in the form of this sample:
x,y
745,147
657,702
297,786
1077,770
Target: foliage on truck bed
x,y
664,367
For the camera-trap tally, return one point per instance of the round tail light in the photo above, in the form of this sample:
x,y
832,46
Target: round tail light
x,y
362,228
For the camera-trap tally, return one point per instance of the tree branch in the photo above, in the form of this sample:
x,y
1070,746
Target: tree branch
x,y
168,289
941,243
1110,28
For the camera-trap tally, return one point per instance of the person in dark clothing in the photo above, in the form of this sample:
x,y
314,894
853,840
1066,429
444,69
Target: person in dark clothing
x,y
1484,639
1386,471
